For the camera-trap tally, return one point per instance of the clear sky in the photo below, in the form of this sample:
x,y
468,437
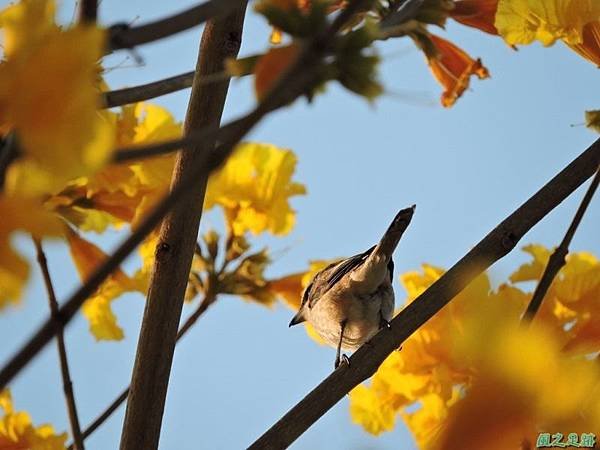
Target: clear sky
x,y
466,168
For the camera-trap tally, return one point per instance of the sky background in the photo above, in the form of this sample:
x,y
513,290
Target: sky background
x,y
240,369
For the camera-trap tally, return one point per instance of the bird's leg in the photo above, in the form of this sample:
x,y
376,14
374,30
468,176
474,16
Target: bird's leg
x,y
339,359
382,322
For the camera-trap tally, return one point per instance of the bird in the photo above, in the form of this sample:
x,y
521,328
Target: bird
x,y
350,300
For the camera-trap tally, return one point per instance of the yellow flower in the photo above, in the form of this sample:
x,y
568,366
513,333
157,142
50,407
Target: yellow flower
x,y
18,433
20,214
122,193
523,383
97,309
576,22
254,188
48,96
367,409
26,22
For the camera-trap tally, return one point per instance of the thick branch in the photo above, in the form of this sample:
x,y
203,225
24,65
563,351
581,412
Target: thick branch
x,y
290,86
124,36
221,39
365,361
558,258
62,350
208,300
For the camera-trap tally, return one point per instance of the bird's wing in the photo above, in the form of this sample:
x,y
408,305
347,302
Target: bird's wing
x,y
330,275
346,267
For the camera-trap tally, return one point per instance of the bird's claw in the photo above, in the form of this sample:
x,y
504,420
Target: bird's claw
x,y
343,359
384,324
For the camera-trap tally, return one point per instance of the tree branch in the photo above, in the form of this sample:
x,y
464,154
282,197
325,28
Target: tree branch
x,y
147,91
221,40
62,350
208,300
290,85
88,11
123,36
558,258
365,361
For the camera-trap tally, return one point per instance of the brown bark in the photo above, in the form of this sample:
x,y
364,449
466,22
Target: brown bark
x,y
220,40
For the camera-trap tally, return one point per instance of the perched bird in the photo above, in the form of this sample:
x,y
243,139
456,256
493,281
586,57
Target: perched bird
x,y
349,301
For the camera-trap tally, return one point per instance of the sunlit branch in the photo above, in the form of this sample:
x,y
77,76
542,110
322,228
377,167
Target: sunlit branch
x,y
62,350
558,258
123,36
366,360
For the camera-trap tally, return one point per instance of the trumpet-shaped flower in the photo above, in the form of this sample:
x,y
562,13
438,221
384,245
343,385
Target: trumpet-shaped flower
x,y
452,68
254,188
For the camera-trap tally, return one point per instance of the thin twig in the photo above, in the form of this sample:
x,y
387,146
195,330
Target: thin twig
x,y
147,91
366,360
124,36
558,258
62,350
120,97
207,301
88,11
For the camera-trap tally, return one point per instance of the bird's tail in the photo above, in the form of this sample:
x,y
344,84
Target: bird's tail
x,y
392,236
372,272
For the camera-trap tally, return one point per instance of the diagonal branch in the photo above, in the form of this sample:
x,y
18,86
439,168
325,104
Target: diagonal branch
x,y
293,83
208,300
365,361
62,350
123,36
557,259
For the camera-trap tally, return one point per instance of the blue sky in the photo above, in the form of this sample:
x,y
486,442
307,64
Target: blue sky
x,y
466,168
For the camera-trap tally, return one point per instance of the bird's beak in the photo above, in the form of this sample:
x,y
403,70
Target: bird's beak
x,y
298,318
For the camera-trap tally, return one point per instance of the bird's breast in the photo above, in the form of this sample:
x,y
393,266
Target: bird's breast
x,y
362,314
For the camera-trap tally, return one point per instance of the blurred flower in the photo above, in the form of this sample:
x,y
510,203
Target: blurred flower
x,y
18,433
523,383
48,95
254,188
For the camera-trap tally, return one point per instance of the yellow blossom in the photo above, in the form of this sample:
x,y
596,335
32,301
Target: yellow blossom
x,y
123,193
523,383
18,433
49,98
97,309
576,22
254,188
20,214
